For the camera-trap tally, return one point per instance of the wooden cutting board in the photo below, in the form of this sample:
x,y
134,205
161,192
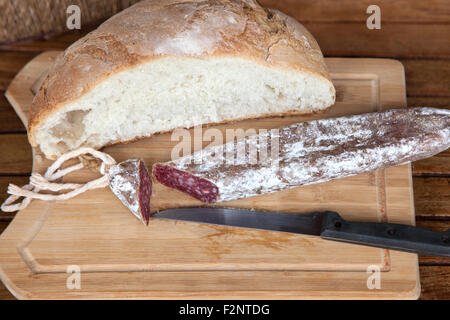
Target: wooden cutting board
x,y
121,258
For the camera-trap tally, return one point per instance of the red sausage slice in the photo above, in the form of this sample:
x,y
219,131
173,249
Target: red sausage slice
x,y
196,187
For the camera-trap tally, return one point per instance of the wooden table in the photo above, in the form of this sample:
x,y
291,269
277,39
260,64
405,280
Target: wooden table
x,y
413,32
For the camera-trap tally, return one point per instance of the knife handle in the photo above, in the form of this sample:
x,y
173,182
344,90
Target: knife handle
x,y
386,235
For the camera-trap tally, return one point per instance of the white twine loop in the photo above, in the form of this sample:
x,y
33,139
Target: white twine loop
x,y
39,182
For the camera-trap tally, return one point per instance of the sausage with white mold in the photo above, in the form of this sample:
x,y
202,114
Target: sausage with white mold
x,y
310,152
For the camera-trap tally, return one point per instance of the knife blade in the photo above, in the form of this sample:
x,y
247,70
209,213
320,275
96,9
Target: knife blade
x,y
328,225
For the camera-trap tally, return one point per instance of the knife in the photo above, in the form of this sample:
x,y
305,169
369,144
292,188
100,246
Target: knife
x,y
328,225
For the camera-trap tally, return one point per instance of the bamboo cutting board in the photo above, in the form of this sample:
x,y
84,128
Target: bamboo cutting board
x,y
121,258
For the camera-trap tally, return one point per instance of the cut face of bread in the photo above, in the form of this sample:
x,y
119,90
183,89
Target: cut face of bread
x,y
171,92
165,64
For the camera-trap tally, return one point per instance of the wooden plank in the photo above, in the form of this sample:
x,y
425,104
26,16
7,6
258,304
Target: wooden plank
x,y
392,40
9,120
441,224
16,157
55,42
435,282
432,196
432,11
429,101
10,63
437,165
408,28
427,77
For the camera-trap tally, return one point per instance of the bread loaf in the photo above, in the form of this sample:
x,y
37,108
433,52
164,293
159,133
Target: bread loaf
x,y
161,65
309,152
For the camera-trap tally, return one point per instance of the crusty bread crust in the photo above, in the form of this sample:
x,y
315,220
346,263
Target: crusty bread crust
x,y
155,29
